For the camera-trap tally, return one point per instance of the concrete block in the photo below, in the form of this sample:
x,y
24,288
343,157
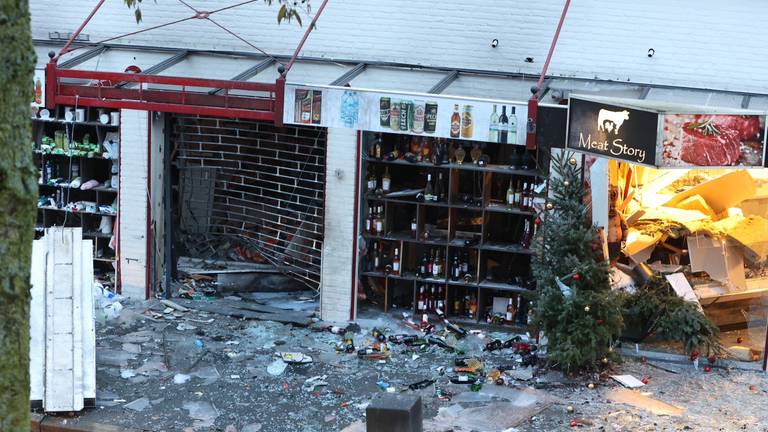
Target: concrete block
x,y
394,413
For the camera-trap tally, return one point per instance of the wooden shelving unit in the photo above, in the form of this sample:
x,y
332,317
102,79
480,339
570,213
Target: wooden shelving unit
x,y
472,220
67,162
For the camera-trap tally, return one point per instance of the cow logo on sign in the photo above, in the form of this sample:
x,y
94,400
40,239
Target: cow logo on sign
x,y
610,121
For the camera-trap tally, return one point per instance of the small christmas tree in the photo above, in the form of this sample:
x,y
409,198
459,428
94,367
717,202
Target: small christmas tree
x,y
577,310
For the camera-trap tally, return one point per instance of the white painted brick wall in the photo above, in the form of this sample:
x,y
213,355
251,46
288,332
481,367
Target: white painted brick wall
x,y
340,213
133,184
699,43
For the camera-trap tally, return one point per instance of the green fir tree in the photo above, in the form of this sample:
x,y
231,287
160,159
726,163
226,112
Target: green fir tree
x,y
581,317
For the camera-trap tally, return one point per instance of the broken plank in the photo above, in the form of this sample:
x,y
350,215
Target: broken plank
x,y
217,307
174,305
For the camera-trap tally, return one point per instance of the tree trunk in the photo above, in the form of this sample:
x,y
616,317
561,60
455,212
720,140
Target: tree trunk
x,y
18,194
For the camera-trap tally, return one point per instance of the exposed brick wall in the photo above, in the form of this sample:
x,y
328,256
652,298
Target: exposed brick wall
x,y
269,185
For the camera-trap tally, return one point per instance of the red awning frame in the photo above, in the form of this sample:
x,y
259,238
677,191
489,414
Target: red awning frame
x,y
107,90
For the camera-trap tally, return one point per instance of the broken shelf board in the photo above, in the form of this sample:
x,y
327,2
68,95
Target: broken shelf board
x,y
715,293
203,266
248,311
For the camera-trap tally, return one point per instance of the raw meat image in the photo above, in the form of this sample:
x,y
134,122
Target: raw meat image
x,y
712,140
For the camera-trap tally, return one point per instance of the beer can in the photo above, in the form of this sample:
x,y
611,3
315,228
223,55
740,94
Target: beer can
x,y
384,111
430,117
406,108
394,116
417,121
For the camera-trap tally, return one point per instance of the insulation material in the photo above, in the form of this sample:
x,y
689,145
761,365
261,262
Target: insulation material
x,y
722,192
722,260
750,233
696,202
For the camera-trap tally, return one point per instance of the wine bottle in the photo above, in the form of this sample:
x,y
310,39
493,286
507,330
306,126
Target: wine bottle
x,y
414,227
436,266
421,303
523,196
396,262
432,299
446,159
429,194
512,134
518,194
439,191
525,239
510,315
493,130
423,266
456,271
510,195
386,180
431,263
376,257
503,125
369,221
440,305
380,221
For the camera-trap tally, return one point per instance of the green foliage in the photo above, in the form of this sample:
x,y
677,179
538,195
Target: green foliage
x,y
289,9
579,327
658,307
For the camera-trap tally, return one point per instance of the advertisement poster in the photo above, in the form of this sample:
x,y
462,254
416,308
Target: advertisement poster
x,y
413,114
712,140
612,131
38,83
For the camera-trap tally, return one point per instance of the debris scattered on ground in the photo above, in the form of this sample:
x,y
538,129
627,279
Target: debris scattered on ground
x,y
639,400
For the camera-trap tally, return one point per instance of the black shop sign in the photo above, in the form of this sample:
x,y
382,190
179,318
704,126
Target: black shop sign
x,y
612,131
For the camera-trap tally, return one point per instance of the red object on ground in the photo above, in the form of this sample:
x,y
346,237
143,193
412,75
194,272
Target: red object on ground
x,y
645,379
576,277
694,355
739,340
714,146
707,369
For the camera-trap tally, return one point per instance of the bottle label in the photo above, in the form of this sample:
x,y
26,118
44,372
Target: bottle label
x,y
367,224
396,266
421,305
510,198
413,227
509,316
385,184
376,262
379,226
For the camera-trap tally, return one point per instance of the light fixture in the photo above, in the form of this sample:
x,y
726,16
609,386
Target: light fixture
x,y
494,43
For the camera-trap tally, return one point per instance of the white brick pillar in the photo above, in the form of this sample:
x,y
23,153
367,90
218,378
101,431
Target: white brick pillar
x,y
132,197
337,270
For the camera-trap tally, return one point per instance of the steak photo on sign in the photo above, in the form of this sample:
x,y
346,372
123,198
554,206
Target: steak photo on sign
x,y
712,140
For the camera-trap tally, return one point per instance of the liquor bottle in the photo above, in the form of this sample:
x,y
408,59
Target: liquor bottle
x,y
510,195
510,315
521,314
523,196
475,153
503,125
528,160
431,263
380,221
446,159
436,267
493,130
439,190
458,306
386,180
372,181
465,264
437,154
467,124
425,149
455,122
460,154
414,227
396,262
376,257
528,197
421,301
424,265
456,270
512,135
518,194
429,194
525,239
440,305
377,149
369,221
432,299
393,155
529,321
472,307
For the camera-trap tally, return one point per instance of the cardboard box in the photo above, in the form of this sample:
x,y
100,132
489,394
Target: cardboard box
x,y
722,260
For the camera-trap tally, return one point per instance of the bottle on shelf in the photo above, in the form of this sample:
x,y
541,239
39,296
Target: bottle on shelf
x,y
459,154
429,194
437,154
510,195
369,221
524,196
503,125
386,180
377,150
380,221
456,268
376,257
518,194
432,299
445,157
437,266
414,227
512,134
472,308
424,266
430,263
421,300
425,149
372,181
440,303
439,190
493,129
525,239
396,262
458,306
455,122
510,315
530,317
521,314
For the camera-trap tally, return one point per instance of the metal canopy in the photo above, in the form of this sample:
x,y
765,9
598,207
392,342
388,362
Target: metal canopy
x,y
319,71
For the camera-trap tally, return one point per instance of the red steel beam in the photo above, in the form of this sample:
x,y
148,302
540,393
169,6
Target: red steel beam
x,y
74,36
304,39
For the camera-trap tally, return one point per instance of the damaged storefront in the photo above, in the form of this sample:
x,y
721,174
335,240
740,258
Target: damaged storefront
x,y
682,192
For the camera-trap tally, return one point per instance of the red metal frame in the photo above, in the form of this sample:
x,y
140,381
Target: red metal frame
x,y
92,88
